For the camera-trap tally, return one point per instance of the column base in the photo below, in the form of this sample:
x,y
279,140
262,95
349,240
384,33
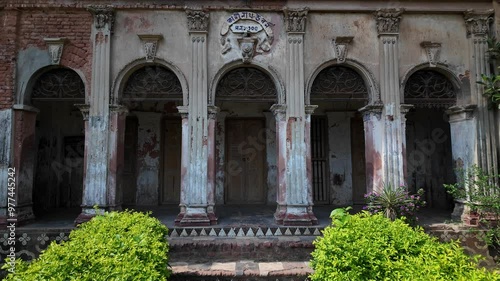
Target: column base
x,y
295,215
196,216
24,215
89,212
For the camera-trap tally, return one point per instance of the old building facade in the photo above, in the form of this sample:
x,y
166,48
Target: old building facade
x,y
210,103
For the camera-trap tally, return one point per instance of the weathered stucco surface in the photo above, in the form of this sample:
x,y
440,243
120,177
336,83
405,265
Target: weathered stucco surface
x,y
106,45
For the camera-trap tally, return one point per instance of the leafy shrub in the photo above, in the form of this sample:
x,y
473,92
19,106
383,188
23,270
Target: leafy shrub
x,y
114,246
372,247
395,203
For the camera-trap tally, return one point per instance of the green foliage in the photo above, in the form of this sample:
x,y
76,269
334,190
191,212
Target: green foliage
x,y
395,203
491,82
114,246
481,192
372,247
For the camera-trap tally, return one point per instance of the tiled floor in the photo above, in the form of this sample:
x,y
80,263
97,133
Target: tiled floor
x,y
229,216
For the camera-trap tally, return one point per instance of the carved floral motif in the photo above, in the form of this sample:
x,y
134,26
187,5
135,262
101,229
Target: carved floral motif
x,y
478,22
150,45
433,50
295,20
341,45
197,20
103,15
388,20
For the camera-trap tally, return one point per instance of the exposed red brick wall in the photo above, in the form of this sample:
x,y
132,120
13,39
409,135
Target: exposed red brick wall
x,y
8,23
24,28
73,24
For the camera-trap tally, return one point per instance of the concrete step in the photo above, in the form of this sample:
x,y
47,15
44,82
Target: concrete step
x,y
241,270
208,249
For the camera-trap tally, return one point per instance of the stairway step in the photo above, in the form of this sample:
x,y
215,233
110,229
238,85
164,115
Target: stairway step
x,y
241,270
209,249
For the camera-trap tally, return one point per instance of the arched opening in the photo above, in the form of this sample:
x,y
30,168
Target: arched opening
x,y
428,138
60,139
337,136
153,137
245,138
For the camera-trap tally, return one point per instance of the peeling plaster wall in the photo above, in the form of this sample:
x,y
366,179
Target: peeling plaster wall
x,y
127,46
323,27
5,155
449,30
339,143
148,157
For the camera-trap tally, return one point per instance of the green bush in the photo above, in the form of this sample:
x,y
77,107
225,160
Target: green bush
x,y
372,247
114,246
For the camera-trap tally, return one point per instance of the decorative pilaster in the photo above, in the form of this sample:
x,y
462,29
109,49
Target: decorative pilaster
x,y
95,190
309,110
195,209
220,140
294,207
478,28
374,145
388,31
55,49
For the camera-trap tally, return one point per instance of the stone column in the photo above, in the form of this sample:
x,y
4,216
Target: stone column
x,y
463,145
195,209
118,114
24,152
84,109
388,32
148,157
6,123
294,207
477,23
271,157
279,111
211,172
220,166
95,188
374,146
309,110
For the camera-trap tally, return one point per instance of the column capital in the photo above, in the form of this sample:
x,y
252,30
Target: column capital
x,y
104,15
197,20
405,108
279,111
388,21
310,109
295,20
212,111
478,22
118,108
84,109
461,113
183,111
23,107
372,109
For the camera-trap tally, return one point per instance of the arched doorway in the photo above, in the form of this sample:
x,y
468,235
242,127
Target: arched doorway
x,y
428,138
246,138
60,139
337,136
153,137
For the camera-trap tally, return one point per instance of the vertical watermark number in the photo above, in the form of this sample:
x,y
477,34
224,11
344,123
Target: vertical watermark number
x,y
12,219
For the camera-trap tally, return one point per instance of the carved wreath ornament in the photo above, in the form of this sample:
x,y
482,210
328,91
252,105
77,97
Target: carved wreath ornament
x,y
247,32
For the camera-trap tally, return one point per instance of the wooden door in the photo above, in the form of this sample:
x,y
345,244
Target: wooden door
x,y
172,149
245,162
358,160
